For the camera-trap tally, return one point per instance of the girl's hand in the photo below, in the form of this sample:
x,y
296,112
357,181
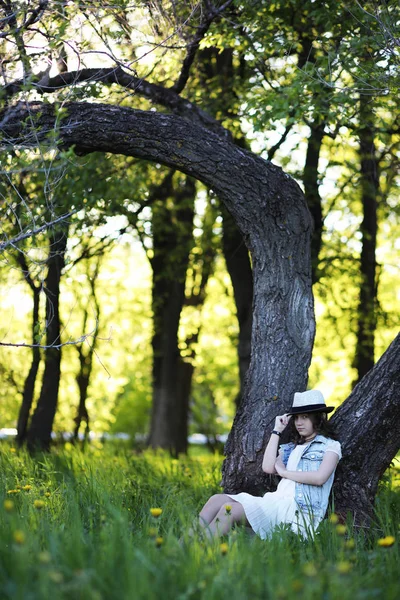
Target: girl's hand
x,y
281,422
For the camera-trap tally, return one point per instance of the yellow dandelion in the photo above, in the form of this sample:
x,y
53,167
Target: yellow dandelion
x,y
159,541
44,557
26,488
334,519
155,512
228,509
12,450
13,492
350,544
224,548
341,529
387,541
39,504
343,567
19,537
47,494
8,505
310,570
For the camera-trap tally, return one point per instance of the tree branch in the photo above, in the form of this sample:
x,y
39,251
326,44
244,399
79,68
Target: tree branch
x,y
11,20
194,44
168,139
158,94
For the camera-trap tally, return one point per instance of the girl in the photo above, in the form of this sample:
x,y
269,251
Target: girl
x,y
306,465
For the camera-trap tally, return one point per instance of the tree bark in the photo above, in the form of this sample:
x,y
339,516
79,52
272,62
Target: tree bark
x,y
271,213
39,433
366,314
368,424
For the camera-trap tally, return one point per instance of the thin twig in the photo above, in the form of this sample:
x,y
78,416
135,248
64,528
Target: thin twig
x,y
14,241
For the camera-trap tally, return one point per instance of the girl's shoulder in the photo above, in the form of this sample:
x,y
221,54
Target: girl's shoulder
x,y
323,438
333,446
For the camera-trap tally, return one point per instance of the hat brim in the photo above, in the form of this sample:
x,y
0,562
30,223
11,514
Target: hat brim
x,y
310,408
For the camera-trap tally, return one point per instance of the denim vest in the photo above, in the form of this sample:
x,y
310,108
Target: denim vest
x,y
312,499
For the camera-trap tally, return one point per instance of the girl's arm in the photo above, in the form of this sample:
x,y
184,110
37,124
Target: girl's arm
x,y
319,477
269,460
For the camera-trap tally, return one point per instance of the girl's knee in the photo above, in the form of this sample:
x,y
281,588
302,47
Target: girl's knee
x,y
216,499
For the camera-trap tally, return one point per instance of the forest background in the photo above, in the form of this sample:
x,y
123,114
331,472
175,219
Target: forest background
x,y
311,86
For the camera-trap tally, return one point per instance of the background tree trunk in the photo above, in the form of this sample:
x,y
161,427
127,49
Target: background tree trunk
x,y
86,356
366,314
311,190
39,433
30,381
172,241
202,267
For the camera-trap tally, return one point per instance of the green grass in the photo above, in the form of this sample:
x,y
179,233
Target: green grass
x,y
92,536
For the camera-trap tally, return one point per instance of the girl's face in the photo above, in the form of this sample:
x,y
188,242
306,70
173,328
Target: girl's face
x,y
304,425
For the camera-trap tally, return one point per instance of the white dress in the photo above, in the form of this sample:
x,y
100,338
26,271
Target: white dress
x,y
264,513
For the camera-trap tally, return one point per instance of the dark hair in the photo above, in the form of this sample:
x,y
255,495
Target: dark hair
x,y
320,423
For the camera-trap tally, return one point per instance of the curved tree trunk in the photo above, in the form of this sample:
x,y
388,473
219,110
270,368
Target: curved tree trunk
x,y
39,433
271,213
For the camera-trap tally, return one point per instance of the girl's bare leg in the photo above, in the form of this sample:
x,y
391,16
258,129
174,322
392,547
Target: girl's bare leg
x,y
224,519
216,520
208,512
211,508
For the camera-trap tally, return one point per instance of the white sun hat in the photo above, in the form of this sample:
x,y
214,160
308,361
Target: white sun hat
x,y
307,402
